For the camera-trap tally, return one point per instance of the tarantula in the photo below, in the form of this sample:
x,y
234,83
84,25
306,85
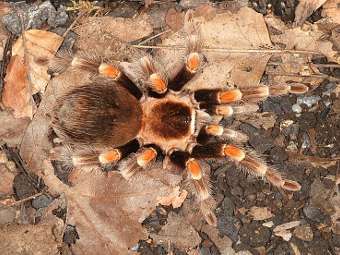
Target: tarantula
x,y
130,123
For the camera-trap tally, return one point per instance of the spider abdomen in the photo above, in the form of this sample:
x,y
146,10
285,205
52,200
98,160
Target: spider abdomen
x,y
104,114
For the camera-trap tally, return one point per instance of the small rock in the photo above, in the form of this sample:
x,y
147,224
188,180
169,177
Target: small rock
x,y
229,226
285,234
296,108
304,233
228,207
22,187
308,100
41,201
34,16
288,225
268,224
315,214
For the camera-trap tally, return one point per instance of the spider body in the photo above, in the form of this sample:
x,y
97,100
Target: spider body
x,y
127,125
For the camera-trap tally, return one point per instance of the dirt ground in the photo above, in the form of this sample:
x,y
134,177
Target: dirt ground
x,y
298,134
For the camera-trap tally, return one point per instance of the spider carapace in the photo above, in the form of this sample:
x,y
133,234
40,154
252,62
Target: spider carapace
x,y
127,122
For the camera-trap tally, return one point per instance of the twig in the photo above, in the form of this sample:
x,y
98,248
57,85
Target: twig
x,y
14,156
22,200
322,76
73,24
179,47
317,65
153,37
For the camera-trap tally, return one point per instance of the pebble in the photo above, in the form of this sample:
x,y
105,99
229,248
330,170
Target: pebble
x,y
34,16
308,100
304,233
228,207
41,201
229,226
22,187
313,213
296,108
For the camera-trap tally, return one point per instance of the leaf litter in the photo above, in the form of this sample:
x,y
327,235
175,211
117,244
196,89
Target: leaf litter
x,y
106,210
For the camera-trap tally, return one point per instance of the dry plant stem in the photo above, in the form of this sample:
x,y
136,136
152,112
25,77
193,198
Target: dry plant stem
x,y
322,76
318,65
154,36
73,24
178,47
25,199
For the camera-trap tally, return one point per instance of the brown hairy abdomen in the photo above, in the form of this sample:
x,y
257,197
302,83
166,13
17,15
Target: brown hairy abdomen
x,y
101,114
171,119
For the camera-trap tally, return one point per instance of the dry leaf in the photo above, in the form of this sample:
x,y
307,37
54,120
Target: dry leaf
x,y
305,8
16,94
245,29
179,232
175,199
260,213
285,234
31,239
296,67
286,226
12,129
6,180
27,71
127,30
331,10
224,244
37,48
174,19
264,120
206,11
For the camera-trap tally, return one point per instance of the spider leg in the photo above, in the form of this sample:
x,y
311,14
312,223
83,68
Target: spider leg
x,y
198,175
153,77
220,132
95,65
92,157
252,94
228,110
141,160
250,163
192,63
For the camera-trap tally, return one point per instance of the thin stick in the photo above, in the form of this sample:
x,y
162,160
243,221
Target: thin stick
x,y
318,65
73,24
178,47
23,200
322,76
153,37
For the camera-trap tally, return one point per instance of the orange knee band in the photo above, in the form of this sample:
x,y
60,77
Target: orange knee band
x,y
234,153
109,156
109,71
229,96
194,168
